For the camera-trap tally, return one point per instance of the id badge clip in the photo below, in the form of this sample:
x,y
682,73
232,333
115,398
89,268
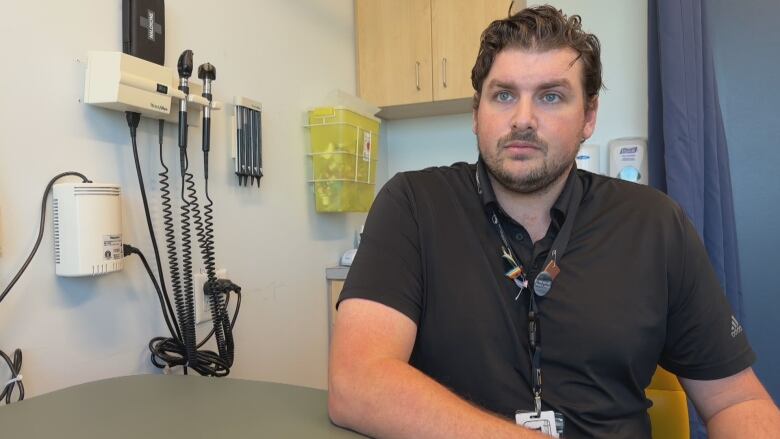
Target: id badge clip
x,y
546,422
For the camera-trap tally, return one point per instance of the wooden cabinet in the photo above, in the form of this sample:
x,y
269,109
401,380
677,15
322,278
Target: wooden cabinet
x,y
394,51
335,277
457,26
334,290
415,56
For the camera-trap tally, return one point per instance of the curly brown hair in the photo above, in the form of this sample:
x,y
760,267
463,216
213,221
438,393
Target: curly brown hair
x,y
540,28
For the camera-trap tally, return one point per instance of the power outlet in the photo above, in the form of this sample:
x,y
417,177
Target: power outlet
x,y
202,307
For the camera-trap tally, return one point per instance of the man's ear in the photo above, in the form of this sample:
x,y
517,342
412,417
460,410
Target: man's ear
x,y
591,110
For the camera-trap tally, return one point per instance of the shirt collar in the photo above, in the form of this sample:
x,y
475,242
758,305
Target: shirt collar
x,y
489,201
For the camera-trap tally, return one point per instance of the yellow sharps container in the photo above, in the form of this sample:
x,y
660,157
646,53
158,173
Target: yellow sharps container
x,y
344,151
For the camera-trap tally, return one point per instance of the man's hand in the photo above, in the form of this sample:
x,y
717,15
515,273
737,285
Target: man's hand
x,y
374,390
737,406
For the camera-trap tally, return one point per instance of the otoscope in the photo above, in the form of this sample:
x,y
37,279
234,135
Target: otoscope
x,y
185,71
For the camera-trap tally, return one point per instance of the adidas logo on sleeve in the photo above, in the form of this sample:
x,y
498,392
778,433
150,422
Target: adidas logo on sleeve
x,y
736,328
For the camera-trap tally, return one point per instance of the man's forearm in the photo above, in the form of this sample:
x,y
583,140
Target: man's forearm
x,y
756,419
391,399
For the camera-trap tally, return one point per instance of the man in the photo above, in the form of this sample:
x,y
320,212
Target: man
x,y
472,282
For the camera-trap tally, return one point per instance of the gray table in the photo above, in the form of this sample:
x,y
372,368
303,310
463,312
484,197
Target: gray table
x,y
158,406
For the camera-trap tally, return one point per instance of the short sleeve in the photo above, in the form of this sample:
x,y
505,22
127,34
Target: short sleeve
x,y
387,266
704,341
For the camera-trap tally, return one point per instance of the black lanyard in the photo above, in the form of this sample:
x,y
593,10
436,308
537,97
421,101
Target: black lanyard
x,y
542,283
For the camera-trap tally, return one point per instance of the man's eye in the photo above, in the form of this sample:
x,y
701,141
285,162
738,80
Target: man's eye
x,y
551,98
503,96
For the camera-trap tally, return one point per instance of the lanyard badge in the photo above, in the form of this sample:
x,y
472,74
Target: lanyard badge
x,y
547,422
544,421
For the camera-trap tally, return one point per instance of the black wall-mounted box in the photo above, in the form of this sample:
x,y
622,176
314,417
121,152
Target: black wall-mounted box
x,y
143,29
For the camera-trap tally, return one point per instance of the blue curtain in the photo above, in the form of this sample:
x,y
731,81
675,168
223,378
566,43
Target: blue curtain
x,y
688,157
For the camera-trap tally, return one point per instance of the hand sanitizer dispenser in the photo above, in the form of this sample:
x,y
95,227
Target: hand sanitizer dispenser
x,y
628,159
589,159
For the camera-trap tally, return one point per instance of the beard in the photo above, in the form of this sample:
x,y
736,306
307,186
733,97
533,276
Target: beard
x,y
536,180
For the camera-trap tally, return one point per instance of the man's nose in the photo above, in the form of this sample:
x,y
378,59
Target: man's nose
x,y
524,116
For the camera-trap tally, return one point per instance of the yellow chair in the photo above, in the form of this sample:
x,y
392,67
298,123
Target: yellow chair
x,y
669,413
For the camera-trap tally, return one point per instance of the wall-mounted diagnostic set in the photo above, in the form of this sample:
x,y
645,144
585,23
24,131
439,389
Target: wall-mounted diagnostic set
x,y
138,87
87,216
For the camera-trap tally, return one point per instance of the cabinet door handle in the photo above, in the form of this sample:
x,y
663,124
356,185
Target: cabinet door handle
x,y
444,72
512,10
417,74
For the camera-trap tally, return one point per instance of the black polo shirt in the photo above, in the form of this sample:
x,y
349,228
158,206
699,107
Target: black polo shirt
x,y
636,289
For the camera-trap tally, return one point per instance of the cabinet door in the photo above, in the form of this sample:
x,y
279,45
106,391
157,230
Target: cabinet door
x,y
394,51
457,26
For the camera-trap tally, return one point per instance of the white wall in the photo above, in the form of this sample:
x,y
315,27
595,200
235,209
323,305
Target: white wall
x,y
621,26
288,55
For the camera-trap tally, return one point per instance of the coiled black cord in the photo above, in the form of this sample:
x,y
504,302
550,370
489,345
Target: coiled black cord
x,y
206,233
15,365
207,363
181,349
170,351
217,293
222,327
215,290
188,319
170,235
179,318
